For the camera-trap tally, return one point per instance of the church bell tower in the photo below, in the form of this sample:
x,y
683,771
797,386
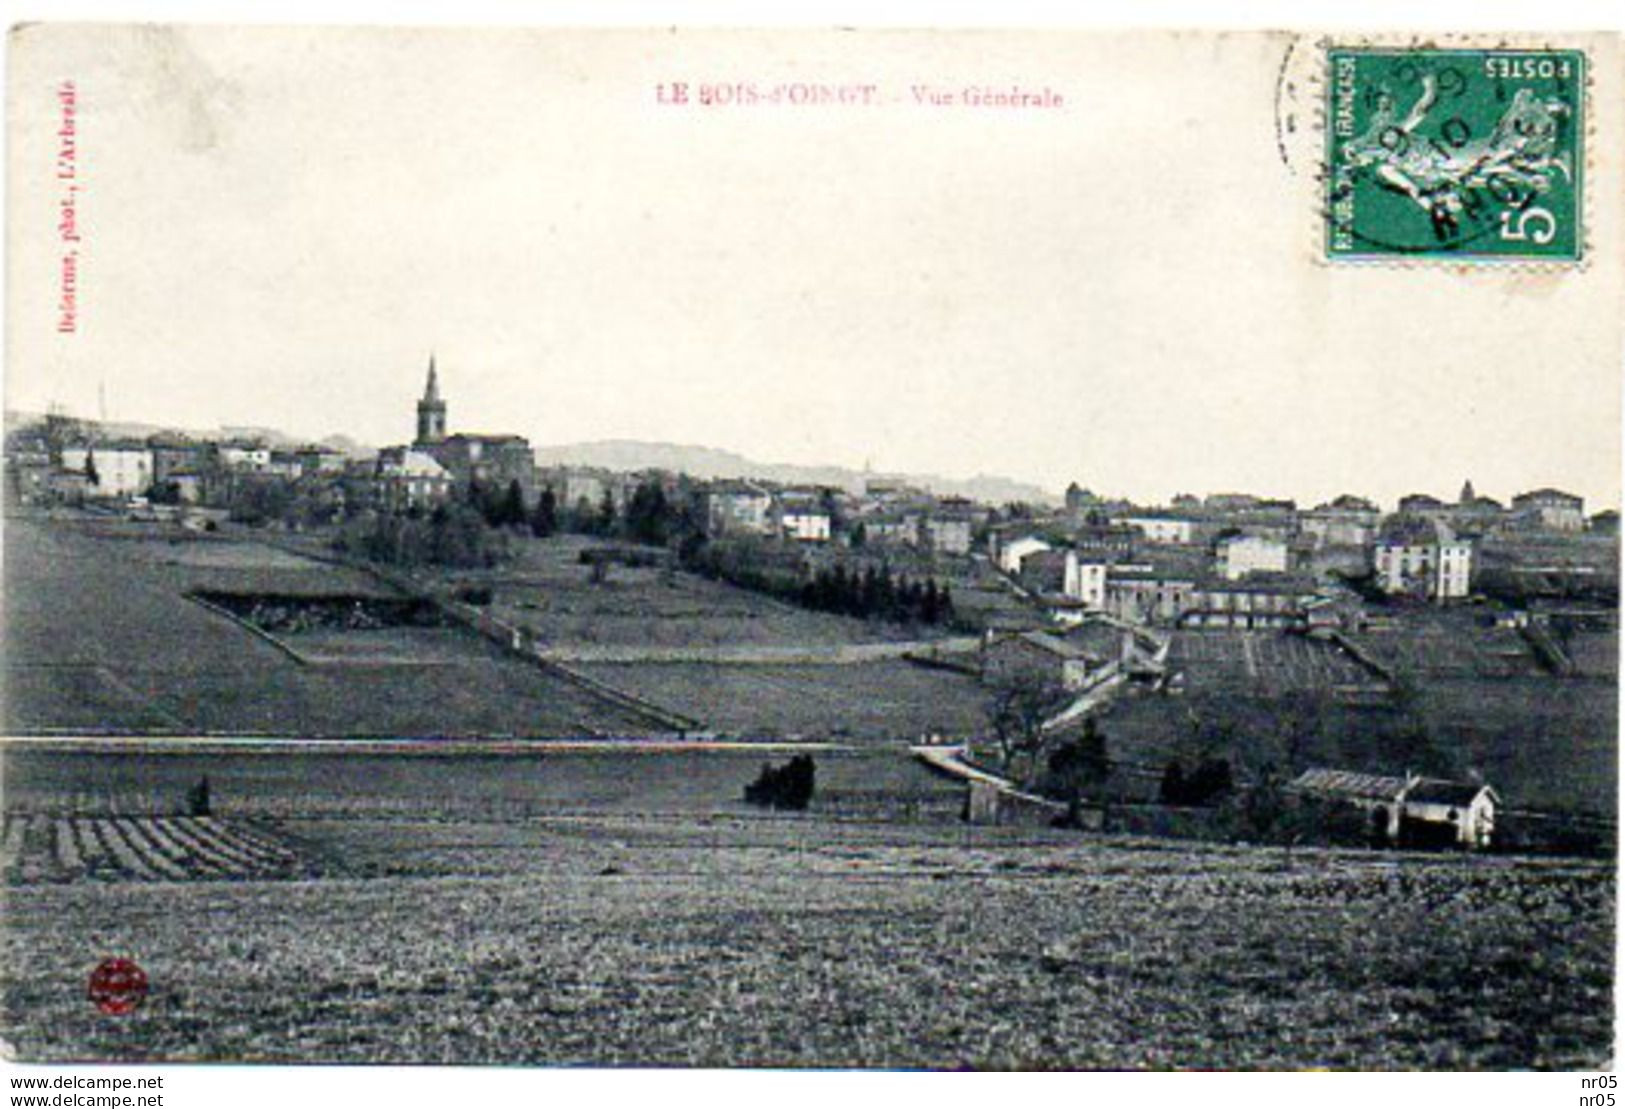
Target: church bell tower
x,y
431,412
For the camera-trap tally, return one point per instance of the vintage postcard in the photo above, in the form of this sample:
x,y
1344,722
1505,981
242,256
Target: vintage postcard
x,y
880,549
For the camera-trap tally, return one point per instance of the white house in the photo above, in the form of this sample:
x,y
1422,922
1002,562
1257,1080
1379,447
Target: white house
x,y
1455,571
737,506
805,525
120,471
1348,521
1013,551
1160,529
244,455
1085,581
1423,558
1412,809
1240,555
948,535
408,477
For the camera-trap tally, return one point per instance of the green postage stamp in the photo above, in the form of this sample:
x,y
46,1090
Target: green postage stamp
x,y
1454,154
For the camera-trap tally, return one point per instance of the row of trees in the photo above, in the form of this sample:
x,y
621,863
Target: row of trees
x,y
505,508
874,594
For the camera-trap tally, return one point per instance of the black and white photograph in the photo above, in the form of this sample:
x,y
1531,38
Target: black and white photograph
x,y
877,549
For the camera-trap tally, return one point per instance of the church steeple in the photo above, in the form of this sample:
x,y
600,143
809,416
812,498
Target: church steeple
x,y
431,410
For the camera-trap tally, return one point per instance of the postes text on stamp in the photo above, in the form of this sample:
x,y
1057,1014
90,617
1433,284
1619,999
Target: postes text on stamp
x,y
1454,154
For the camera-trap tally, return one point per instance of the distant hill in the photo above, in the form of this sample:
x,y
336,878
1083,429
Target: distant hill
x,y
115,429
633,454
709,462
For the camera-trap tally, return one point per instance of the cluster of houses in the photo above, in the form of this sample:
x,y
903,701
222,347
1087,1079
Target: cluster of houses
x,y
66,460
884,515
1227,560
1238,561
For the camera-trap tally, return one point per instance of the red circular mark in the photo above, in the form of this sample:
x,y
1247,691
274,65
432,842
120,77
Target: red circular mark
x,y
117,986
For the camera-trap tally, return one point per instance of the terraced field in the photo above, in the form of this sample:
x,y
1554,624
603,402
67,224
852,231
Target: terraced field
x,y
43,848
1268,662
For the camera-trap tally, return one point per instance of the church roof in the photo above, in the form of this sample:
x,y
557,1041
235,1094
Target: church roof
x,y
431,391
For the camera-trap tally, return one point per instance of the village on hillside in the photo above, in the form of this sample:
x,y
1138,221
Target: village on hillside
x,y
1227,666
834,548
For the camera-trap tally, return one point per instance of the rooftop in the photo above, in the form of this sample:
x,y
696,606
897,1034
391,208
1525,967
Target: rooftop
x,y
1349,783
1439,791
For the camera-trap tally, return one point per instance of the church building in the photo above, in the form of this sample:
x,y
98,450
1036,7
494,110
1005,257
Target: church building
x,y
431,412
492,461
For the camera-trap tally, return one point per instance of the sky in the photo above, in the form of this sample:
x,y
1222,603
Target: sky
x,y
277,228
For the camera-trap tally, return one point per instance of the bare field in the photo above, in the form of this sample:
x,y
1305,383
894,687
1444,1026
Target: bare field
x,y
101,638
790,942
549,590
880,700
355,785
1454,644
1554,742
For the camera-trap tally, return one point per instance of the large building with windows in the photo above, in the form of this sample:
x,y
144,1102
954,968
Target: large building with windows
x,y
1423,558
1550,510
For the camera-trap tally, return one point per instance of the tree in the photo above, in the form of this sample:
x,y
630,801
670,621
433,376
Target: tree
x,y
1302,715
1172,789
544,520
1016,713
580,518
91,475
649,516
1084,764
1211,779
869,604
930,603
512,511
784,787
1079,768
605,522
197,798
1264,806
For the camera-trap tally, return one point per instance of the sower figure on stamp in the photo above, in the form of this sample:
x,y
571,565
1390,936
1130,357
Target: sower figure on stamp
x,y
1516,157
